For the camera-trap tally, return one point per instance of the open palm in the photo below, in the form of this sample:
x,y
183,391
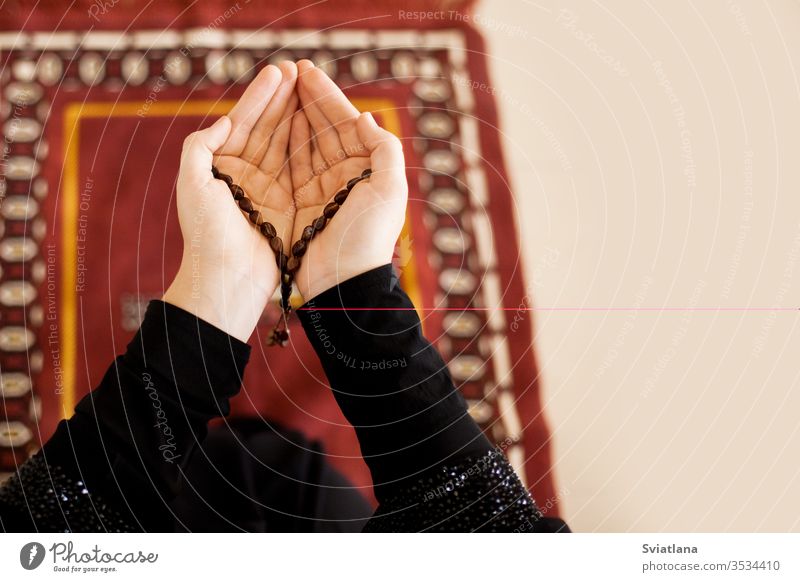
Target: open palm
x,y
255,157
331,142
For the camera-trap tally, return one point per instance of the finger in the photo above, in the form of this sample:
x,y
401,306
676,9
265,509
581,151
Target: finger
x,y
249,108
332,103
262,133
300,150
276,157
199,148
327,138
386,155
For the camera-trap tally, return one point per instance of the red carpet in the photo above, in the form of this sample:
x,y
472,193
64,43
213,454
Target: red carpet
x,y
98,112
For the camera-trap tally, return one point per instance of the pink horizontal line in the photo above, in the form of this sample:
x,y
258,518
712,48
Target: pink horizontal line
x,y
739,309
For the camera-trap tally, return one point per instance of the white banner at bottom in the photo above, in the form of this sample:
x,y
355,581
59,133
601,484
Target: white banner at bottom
x,y
389,557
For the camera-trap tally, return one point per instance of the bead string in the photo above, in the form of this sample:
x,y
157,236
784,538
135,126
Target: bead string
x,y
288,265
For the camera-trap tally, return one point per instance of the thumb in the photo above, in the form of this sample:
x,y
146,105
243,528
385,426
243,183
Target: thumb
x,y
385,153
199,148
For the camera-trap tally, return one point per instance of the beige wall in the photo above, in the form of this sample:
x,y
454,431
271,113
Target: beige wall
x,y
654,150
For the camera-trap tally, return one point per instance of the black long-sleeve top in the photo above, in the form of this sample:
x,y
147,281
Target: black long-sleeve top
x,y
118,463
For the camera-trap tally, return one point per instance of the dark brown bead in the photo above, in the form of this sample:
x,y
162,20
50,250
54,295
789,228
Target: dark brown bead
x,y
299,248
245,204
280,259
282,337
341,196
238,192
292,264
278,337
214,171
255,217
226,178
366,173
319,223
330,209
268,230
308,233
276,244
352,182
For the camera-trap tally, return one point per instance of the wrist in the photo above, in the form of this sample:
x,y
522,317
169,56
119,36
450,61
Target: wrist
x,y
220,294
314,284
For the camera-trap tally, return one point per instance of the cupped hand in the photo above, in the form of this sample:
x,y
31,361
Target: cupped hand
x,y
228,272
330,144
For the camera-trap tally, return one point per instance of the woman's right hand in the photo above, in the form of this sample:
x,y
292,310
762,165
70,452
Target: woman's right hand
x,y
330,144
228,272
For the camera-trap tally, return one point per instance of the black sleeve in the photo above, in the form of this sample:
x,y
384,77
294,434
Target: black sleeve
x,y
432,467
116,464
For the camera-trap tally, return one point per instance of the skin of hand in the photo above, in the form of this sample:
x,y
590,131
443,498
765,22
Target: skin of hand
x,y
228,272
330,143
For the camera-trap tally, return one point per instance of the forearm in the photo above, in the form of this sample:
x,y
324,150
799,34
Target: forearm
x,y
432,468
118,461
390,382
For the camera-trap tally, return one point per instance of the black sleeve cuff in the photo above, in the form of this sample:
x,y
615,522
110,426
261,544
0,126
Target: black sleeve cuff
x,y
203,361
390,382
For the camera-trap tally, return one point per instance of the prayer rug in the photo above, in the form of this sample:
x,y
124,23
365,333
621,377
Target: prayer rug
x,y
96,101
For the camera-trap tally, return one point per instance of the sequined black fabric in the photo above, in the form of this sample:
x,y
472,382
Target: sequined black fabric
x,y
477,494
51,500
